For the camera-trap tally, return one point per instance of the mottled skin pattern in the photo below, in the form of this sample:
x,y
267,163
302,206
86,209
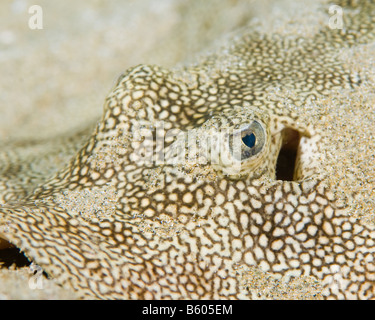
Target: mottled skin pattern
x,y
294,227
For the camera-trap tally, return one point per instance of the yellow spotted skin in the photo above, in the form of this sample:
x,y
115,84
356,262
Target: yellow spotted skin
x,y
179,231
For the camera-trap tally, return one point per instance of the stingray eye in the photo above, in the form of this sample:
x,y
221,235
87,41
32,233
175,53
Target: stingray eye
x,y
248,141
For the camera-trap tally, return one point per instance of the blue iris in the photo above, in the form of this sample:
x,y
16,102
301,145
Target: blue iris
x,y
249,140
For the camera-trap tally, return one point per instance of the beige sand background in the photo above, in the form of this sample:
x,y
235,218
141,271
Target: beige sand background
x,y
57,78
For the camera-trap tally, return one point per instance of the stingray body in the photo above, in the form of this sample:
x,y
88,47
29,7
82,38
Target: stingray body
x,y
158,203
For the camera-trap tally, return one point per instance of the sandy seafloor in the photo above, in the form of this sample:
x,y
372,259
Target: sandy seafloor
x,y
57,78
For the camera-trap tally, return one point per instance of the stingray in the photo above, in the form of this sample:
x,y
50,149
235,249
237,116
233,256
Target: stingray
x,y
196,176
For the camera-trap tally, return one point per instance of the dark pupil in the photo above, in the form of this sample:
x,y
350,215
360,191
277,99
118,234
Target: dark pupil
x,y
249,140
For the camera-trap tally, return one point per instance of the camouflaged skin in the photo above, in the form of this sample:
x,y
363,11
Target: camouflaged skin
x,y
170,231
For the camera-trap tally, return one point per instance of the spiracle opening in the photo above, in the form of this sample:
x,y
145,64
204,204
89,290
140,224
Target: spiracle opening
x,y
287,158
